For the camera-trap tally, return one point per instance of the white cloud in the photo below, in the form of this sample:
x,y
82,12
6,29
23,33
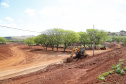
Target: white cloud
x,y
9,19
121,1
82,14
48,11
5,4
31,12
20,21
0,21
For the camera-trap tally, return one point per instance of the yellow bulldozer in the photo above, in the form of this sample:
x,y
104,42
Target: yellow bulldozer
x,y
76,54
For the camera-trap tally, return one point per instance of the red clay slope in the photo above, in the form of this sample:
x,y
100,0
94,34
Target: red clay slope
x,y
5,52
84,71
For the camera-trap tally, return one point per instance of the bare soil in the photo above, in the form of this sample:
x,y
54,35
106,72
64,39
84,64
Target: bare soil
x,y
38,66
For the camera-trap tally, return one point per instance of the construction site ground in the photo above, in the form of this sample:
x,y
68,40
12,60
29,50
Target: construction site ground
x,y
20,64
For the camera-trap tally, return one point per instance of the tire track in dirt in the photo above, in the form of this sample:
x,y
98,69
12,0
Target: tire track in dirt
x,y
17,64
7,66
80,72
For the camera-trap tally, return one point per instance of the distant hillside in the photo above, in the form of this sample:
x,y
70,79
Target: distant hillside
x,y
18,37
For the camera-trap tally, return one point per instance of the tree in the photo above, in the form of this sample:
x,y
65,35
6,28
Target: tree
x,y
42,39
29,41
92,34
58,36
83,38
122,31
38,40
50,37
50,33
3,40
97,35
100,36
69,37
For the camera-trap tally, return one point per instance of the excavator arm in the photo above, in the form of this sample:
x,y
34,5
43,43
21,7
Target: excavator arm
x,y
73,51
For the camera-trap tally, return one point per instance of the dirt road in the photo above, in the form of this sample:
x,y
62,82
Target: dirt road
x,y
25,62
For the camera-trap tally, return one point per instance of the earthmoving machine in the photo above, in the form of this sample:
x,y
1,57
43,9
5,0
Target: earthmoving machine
x,y
103,48
79,53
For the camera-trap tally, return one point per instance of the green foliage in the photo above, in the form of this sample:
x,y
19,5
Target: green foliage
x,y
105,74
38,39
121,60
124,41
16,40
117,68
3,40
122,31
101,78
117,39
58,35
29,41
84,38
124,69
111,71
98,35
54,37
69,37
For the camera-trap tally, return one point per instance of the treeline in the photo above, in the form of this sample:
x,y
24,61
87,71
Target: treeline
x,y
119,39
54,37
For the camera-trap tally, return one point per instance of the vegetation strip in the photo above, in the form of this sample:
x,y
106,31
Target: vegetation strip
x,y
116,69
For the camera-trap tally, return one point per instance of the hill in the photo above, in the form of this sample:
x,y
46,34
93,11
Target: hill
x,y
18,37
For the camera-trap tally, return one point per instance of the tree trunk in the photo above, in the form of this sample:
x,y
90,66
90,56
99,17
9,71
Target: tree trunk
x,y
52,48
57,46
46,47
84,44
64,47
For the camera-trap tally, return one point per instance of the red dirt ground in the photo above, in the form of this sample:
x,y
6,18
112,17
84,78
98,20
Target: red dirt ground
x,y
27,66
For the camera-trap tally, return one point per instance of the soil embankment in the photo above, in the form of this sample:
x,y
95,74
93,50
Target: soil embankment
x,y
29,63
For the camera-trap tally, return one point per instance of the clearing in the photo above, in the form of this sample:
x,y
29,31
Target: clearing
x,y
30,66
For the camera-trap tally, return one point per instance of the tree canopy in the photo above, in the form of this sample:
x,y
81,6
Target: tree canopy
x,y
69,37
3,40
29,41
54,37
97,35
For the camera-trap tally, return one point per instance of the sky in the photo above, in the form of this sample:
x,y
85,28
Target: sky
x,y
76,15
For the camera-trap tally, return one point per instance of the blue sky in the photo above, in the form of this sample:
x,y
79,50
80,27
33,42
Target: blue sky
x,y
76,15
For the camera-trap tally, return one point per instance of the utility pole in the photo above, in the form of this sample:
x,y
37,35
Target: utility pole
x,y
93,40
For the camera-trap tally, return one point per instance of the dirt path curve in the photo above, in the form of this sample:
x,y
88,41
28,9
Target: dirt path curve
x,y
7,66
17,58
16,65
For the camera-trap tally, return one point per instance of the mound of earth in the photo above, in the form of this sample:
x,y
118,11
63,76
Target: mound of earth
x,y
5,52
